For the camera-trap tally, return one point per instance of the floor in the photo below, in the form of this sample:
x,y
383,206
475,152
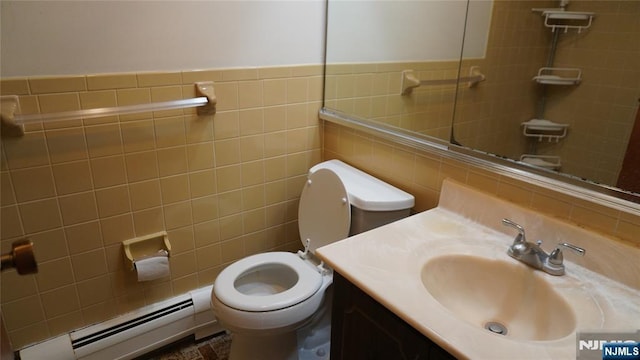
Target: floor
x,y
212,348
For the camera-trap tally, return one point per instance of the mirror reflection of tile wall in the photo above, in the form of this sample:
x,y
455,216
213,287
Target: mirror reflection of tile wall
x,y
488,117
600,110
373,91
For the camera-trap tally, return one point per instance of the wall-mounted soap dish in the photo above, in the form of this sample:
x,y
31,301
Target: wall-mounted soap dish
x,y
558,76
545,161
544,130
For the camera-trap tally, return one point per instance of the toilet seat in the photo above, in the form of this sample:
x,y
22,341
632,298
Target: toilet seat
x,y
277,280
308,282
324,212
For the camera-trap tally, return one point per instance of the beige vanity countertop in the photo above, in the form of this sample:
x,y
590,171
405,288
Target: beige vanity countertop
x,y
387,262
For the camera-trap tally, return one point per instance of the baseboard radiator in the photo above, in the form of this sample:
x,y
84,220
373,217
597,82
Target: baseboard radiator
x,y
135,333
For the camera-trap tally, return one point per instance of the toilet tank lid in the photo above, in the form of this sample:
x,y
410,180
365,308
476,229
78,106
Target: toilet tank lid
x,y
365,191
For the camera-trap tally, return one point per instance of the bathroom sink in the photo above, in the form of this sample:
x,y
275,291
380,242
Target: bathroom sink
x,y
508,299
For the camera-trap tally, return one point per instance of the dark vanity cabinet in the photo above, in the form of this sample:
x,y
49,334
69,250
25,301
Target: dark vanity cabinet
x,y
362,329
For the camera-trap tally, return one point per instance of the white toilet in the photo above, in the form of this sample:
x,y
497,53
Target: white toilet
x,y
277,304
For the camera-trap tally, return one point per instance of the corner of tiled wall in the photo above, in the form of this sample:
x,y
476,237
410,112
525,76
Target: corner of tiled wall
x,y
222,186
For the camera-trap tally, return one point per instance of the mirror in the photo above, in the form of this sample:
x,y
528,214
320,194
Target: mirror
x,y
562,87
370,44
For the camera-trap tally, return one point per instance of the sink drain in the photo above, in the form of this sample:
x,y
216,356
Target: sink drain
x,y
496,328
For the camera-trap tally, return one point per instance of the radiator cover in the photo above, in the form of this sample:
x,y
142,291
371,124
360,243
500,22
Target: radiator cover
x,y
135,333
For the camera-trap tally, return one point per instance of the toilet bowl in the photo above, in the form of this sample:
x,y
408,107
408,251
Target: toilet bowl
x,y
277,304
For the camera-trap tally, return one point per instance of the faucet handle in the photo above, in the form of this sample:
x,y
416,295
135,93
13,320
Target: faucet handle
x,y
520,237
556,256
576,249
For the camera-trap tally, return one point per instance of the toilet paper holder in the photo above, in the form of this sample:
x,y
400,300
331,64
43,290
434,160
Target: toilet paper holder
x,y
146,246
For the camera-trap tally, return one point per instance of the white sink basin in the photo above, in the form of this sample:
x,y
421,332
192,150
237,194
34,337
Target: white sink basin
x,y
506,298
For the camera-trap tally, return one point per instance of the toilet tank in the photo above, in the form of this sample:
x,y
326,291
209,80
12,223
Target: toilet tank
x,y
373,202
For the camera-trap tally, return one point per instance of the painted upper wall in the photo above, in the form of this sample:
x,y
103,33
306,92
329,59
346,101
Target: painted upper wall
x,y
86,37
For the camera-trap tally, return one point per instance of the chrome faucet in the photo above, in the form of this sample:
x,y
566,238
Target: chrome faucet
x,y
533,255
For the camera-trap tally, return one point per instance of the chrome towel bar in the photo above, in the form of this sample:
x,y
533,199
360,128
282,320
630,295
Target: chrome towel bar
x,y
206,102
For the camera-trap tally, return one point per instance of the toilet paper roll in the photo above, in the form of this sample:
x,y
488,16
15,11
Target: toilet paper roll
x,y
152,268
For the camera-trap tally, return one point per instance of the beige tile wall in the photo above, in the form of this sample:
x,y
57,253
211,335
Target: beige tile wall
x,y
601,110
489,116
222,186
421,174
